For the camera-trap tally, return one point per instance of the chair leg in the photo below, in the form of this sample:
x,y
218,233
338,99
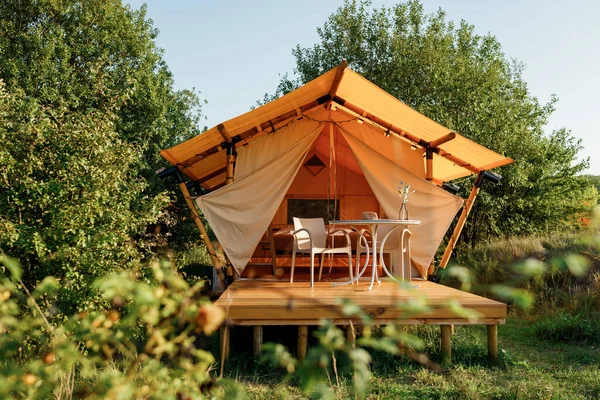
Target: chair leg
x,y
358,255
312,269
350,264
293,264
321,266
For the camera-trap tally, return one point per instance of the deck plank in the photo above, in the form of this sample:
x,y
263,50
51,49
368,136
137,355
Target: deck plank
x,y
261,302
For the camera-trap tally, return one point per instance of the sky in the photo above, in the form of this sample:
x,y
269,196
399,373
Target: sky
x,y
233,52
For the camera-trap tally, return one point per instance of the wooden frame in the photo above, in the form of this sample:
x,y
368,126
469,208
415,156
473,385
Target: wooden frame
x,y
266,303
461,220
196,217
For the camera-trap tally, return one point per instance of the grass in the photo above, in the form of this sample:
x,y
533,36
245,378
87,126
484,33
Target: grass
x,y
529,369
549,352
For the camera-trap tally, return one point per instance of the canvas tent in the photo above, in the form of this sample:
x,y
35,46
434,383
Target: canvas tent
x,y
365,142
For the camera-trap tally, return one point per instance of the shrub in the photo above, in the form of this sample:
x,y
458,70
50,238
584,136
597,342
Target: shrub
x,y
145,346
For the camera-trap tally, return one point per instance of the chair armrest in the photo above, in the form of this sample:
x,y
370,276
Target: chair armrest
x,y
344,231
363,231
310,241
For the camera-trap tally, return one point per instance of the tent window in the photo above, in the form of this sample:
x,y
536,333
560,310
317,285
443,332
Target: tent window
x,y
311,208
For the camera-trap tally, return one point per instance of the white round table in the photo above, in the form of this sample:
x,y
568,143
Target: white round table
x,y
374,224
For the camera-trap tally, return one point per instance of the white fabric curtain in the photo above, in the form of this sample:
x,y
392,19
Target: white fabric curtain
x,y
240,212
433,206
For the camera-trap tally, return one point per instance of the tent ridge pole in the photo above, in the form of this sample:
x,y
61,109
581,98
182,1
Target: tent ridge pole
x,y
402,133
339,74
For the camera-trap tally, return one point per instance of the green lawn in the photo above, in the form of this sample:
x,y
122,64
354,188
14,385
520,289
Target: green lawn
x,y
529,369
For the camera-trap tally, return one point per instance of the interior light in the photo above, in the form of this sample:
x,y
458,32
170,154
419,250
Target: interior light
x,y
333,107
359,120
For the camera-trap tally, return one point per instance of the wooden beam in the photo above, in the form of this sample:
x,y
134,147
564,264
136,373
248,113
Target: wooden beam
x,y
439,141
224,133
302,342
392,129
492,337
342,321
212,175
338,78
446,345
196,217
461,221
250,132
257,340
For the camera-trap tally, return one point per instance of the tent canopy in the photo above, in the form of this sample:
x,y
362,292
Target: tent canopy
x,y
363,142
203,158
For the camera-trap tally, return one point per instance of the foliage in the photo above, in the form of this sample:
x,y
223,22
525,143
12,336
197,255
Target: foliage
x,y
84,55
464,81
595,180
86,105
145,346
531,369
70,196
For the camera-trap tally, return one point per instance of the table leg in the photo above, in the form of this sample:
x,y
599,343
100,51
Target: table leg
x,y
359,274
374,261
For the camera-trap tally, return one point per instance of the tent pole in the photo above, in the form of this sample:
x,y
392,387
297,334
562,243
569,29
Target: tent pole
x,y
229,180
230,163
429,158
196,217
461,221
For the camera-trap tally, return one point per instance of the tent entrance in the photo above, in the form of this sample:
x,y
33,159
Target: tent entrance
x,y
362,171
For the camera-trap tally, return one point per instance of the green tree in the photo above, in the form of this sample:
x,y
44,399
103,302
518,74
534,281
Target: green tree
x,y
101,55
87,103
464,81
70,195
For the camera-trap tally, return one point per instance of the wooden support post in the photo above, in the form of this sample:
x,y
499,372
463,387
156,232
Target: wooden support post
x,y
272,248
257,340
461,221
402,346
446,347
228,180
230,164
224,347
492,334
452,329
351,335
196,217
429,163
302,341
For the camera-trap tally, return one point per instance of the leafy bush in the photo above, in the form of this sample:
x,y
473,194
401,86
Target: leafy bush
x,y
145,346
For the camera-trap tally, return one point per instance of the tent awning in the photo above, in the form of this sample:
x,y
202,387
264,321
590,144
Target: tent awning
x,y
203,158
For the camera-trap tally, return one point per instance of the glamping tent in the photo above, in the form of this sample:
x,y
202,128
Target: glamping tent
x,y
338,138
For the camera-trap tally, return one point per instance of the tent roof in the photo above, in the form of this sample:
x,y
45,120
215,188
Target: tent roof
x,y
203,158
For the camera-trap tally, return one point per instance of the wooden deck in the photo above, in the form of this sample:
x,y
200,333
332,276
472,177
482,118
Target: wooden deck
x,y
260,302
256,302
